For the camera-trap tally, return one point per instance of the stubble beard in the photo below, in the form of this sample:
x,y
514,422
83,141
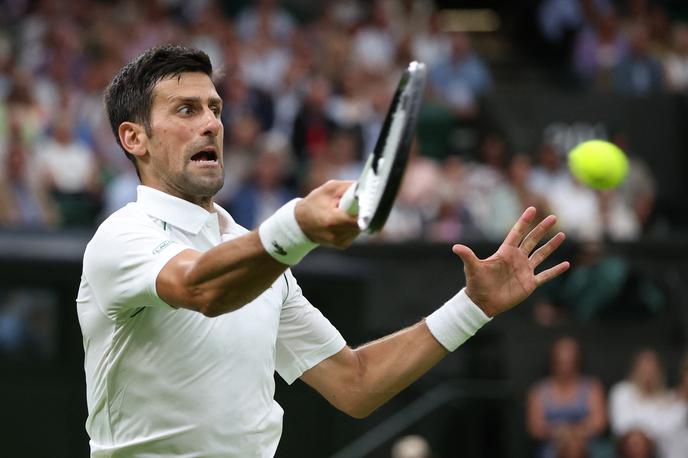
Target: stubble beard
x,y
201,186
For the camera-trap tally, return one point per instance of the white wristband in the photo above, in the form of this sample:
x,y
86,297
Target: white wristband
x,y
282,237
457,320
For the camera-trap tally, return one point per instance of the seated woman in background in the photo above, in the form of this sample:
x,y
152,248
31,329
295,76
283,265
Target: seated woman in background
x,y
567,405
643,403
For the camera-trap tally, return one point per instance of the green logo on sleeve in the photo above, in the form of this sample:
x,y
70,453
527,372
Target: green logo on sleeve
x,y
162,246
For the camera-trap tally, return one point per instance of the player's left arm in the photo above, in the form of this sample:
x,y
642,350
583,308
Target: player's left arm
x,y
359,381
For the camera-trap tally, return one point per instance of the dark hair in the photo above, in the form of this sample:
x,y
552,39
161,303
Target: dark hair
x,y
129,96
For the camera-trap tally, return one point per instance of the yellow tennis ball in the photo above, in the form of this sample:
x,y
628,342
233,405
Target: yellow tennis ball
x,y
598,164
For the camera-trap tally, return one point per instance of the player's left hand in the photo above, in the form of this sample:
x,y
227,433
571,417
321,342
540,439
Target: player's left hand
x,y
506,278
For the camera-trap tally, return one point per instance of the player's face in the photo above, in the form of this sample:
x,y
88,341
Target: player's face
x,y
185,145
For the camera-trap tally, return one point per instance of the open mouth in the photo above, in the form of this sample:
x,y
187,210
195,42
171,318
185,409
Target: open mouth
x,y
206,155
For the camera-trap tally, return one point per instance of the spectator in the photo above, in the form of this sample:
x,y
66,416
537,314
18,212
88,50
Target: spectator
x,y
453,220
549,171
598,49
119,191
619,220
417,202
24,200
381,91
288,98
638,73
5,65
262,196
635,444
264,62
677,441
239,155
242,100
68,168
638,191
25,111
313,125
483,176
408,17
349,107
642,402
265,16
510,197
577,208
567,406
330,34
659,28
431,46
461,79
560,20
374,46
206,30
676,61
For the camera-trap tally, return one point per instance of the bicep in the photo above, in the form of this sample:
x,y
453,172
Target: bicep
x,y
169,283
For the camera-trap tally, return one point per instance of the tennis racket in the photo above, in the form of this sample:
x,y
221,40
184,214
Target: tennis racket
x,y
371,197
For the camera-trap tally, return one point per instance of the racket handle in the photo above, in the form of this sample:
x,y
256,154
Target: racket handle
x,y
349,201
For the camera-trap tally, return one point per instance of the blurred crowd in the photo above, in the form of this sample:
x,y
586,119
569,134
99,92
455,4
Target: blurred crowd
x,y
631,47
569,416
305,98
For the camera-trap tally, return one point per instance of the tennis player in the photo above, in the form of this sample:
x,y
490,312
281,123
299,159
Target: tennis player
x,y
186,315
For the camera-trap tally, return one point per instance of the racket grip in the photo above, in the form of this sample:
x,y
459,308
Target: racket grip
x,y
349,202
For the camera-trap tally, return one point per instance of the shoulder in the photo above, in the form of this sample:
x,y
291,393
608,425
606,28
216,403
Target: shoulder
x,y
129,219
540,387
591,385
622,390
121,232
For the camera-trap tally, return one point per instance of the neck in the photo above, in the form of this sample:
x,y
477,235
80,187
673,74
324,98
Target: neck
x,y
566,380
205,202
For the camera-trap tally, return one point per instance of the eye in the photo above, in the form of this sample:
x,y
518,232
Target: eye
x,y
216,110
185,110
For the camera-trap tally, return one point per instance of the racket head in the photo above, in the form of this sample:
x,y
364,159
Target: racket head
x,y
384,170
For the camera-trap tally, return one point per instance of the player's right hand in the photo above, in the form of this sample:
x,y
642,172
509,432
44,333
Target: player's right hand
x,y
322,221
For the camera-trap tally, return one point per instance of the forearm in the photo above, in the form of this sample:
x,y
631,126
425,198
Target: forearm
x,y
234,273
390,364
231,275
359,381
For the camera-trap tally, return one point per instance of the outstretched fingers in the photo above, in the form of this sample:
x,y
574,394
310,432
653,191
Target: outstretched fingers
x,y
545,250
538,232
553,272
518,232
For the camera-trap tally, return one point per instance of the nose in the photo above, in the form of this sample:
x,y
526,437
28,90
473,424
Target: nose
x,y
211,124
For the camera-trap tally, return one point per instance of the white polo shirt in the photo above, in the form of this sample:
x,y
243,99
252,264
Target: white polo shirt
x,y
167,382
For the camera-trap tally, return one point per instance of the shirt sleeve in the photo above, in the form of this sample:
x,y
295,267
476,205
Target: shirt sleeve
x,y
122,263
305,337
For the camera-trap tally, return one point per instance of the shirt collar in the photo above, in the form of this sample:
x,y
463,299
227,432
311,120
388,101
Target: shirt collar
x,y
173,210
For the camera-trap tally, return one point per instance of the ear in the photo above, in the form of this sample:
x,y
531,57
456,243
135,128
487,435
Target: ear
x,y
133,138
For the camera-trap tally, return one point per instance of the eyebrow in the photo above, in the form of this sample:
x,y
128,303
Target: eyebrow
x,y
211,100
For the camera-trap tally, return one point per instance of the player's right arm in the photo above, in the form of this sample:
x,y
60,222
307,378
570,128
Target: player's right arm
x,y
235,272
